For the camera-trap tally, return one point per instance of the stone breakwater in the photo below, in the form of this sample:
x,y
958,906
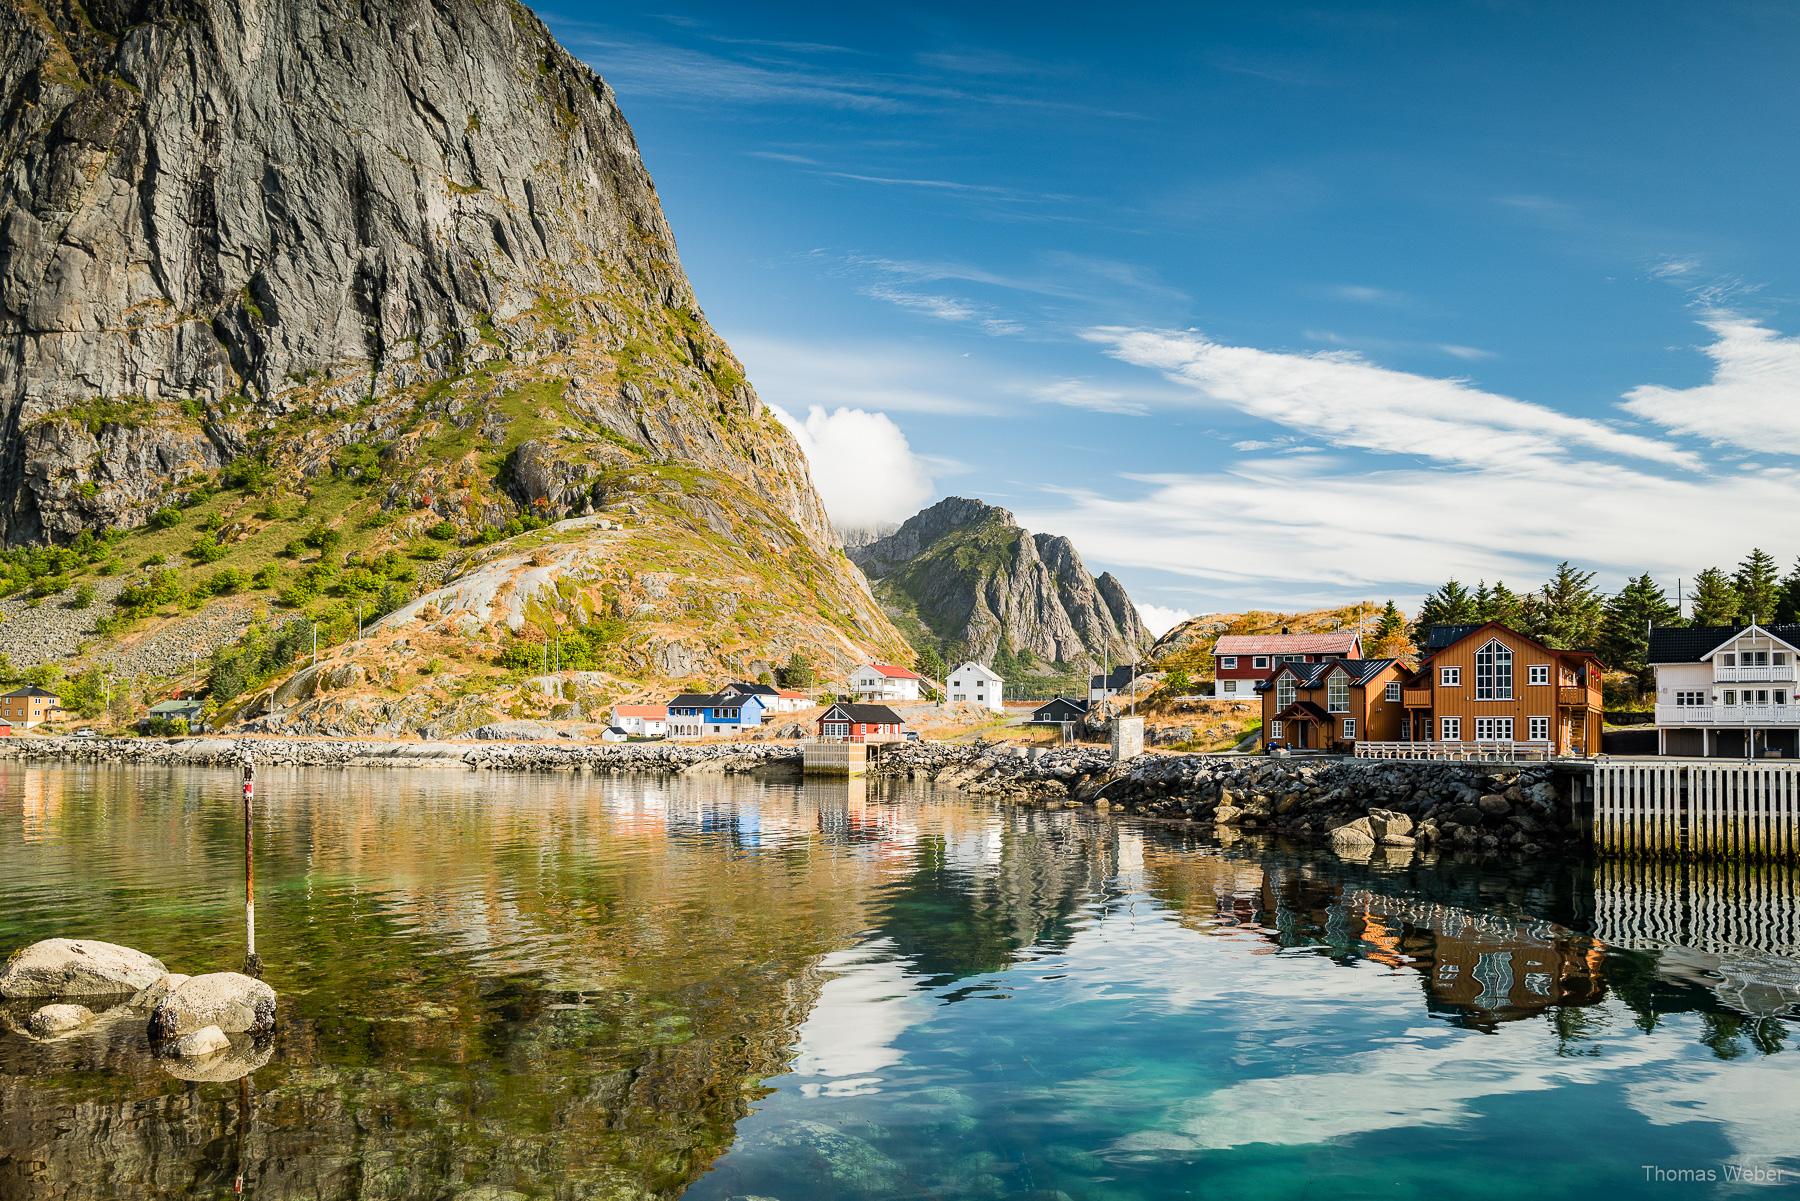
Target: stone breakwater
x,y
601,758
1478,807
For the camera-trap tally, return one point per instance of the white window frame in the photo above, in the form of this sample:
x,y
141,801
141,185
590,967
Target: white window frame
x,y
1491,684
1228,662
1274,729
1539,729
1687,699
1393,691
1259,662
1730,697
1493,727
1287,682
1349,727
1449,677
1337,692
1537,673
1449,729
1228,686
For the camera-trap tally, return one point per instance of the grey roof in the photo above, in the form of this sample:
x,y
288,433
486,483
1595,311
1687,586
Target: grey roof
x,y
744,689
1685,644
1076,704
1308,675
32,690
1439,637
1117,679
874,715
694,700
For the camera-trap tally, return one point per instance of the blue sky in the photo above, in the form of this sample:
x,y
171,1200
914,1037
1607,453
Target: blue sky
x,y
1264,305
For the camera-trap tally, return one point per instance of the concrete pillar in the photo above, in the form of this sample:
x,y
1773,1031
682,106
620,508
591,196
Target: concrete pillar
x,y
1127,738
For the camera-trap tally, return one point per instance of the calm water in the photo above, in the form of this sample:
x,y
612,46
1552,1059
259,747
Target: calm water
x,y
501,986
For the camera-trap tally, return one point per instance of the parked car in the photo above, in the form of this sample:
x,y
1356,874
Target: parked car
x,y
86,732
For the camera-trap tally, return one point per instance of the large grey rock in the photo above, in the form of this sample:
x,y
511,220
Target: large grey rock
x,y
77,967
54,1020
1390,827
233,1002
198,1044
970,567
1355,835
152,994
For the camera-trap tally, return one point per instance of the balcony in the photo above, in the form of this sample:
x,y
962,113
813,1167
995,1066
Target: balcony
x,y
1416,698
1574,697
1778,673
1728,715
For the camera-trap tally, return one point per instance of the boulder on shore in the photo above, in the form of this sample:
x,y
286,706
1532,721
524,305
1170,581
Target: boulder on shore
x,y
54,1020
77,967
233,1002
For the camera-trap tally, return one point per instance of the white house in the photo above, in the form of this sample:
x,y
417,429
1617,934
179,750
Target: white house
x,y
976,684
884,682
642,721
1727,691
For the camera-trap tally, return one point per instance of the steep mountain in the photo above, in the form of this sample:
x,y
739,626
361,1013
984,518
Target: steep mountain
x,y
964,579
332,301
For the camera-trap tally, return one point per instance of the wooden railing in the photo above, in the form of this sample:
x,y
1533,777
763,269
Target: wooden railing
x,y
1416,698
1473,752
1674,807
1575,697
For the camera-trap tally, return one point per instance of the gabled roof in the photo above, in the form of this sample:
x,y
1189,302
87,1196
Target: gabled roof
x,y
31,690
1436,643
793,694
1120,677
175,705
1439,637
1303,710
979,669
1073,704
1311,675
893,673
1337,642
743,689
694,700
869,715
654,711
1692,644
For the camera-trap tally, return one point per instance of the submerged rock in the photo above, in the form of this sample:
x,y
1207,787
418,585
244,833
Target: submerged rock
x,y
151,995
54,1020
77,967
244,1055
208,1040
233,1002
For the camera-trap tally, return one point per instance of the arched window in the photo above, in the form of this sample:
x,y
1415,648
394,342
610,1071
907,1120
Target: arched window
x,y
1494,672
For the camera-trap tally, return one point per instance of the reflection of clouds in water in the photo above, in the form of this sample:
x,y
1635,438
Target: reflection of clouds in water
x,y
870,1000
1754,1102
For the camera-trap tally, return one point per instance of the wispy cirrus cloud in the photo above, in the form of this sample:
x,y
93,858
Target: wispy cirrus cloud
x,y
946,308
1753,399
1353,402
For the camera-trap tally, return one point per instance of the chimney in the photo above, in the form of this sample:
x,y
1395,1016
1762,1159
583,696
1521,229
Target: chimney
x,y
1284,629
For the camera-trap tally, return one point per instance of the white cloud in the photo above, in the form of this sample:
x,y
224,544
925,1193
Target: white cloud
x,y
945,308
894,377
1079,394
1159,619
1363,294
862,465
1356,403
1752,400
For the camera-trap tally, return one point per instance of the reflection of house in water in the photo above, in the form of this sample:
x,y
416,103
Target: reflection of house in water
x,y
40,800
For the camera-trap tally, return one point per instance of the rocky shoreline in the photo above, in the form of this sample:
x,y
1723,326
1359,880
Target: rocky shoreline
x,y
1479,807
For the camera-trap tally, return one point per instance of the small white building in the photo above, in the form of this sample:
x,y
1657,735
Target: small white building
x,y
974,684
642,721
1728,691
885,682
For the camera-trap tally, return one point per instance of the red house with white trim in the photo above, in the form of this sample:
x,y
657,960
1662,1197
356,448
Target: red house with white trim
x,y
1242,661
844,722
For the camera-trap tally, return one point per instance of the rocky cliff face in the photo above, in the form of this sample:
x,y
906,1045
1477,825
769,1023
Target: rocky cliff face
x,y
964,575
408,245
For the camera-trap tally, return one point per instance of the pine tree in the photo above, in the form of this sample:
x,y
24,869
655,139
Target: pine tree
x,y
1389,623
1448,606
1758,584
1504,605
1787,607
1715,599
1572,612
1391,639
1625,642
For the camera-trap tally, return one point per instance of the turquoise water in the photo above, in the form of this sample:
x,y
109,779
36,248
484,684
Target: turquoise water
x,y
501,986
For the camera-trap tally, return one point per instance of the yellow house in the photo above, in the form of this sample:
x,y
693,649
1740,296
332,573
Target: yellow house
x,y
27,707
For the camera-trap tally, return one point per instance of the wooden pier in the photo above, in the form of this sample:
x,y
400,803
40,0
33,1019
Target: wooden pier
x,y
834,758
1705,808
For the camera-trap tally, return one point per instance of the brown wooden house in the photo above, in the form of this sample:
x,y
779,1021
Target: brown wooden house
x,y
1489,683
1330,706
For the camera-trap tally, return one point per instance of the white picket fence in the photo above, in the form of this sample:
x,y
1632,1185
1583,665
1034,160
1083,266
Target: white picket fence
x,y
1697,807
1506,751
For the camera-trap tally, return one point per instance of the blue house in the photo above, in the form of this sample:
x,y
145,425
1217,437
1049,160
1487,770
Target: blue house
x,y
696,714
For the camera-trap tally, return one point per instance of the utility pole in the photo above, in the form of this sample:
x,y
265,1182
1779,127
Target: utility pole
x,y
315,634
252,961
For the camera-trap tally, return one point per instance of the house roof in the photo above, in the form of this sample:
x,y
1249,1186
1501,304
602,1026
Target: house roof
x,y
979,669
1303,711
1113,681
1311,675
793,694
1439,637
31,690
656,711
174,705
1436,642
617,730
1075,703
743,689
870,715
693,700
892,672
1337,642
1691,644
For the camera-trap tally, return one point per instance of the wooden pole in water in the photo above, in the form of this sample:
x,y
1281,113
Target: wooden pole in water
x,y
252,961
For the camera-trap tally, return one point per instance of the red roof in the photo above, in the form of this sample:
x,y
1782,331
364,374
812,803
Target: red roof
x,y
792,694
892,672
660,712
1335,643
